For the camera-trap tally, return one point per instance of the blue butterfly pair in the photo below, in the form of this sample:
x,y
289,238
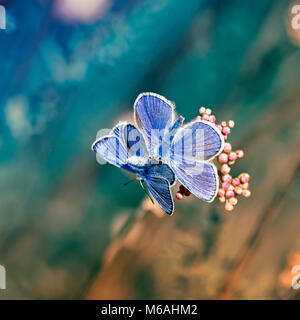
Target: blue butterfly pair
x,y
162,149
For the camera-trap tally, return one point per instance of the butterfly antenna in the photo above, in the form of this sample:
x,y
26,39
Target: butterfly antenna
x,y
126,183
147,193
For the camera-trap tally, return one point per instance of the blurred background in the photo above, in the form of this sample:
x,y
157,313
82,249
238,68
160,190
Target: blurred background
x,y
69,229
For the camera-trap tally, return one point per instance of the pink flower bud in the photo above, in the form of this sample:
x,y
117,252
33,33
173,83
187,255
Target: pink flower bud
x,y
240,153
212,118
227,147
179,195
227,178
230,123
202,110
232,156
226,130
236,182
221,193
229,206
223,158
229,194
225,169
225,185
244,177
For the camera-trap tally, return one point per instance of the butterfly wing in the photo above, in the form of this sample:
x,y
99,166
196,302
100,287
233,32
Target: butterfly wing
x,y
192,145
135,141
175,127
129,141
162,171
197,140
154,114
111,149
199,177
160,190
118,130
164,150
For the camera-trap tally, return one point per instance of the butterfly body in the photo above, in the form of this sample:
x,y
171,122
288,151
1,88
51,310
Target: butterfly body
x,y
137,165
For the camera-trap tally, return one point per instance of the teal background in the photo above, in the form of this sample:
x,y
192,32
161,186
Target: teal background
x,y
62,80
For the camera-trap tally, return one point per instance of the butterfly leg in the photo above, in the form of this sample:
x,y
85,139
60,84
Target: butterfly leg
x,y
147,193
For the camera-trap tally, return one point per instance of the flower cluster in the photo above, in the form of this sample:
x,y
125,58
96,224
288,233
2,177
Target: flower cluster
x,y
231,187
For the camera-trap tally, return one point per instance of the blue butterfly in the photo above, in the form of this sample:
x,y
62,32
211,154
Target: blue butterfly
x,y
164,149
186,149
125,147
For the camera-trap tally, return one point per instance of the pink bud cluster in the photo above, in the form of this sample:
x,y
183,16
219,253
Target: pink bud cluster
x,y
225,128
228,155
183,191
206,115
230,187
